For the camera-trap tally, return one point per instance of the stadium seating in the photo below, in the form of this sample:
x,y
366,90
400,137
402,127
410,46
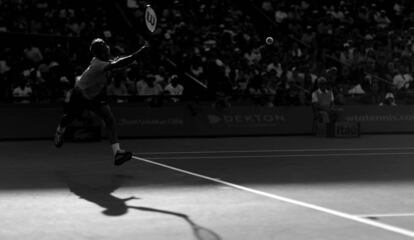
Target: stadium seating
x,y
364,49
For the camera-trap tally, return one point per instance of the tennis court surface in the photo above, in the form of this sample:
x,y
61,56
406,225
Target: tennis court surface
x,y
288,188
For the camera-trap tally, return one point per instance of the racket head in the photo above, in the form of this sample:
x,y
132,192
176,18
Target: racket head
x,y
151,19
202,233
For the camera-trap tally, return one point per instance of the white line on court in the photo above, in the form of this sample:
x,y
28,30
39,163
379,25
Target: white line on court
x,y
283,150
287,155
386,215
372,223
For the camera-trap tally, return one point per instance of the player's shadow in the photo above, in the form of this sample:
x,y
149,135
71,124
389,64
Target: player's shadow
x,y
100,193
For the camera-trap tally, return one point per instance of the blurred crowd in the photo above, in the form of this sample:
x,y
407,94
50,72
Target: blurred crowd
x,y
363,50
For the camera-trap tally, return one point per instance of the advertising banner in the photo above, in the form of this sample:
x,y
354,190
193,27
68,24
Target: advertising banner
x,y
139,121
386,119
21,121
207,121
254,120
181,120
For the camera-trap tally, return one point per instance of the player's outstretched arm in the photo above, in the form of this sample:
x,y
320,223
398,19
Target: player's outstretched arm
x,y
125,61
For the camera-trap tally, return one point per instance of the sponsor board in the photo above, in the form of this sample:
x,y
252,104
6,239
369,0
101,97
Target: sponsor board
x,y
178,120
150,122
235,120
144,122
25,121
387,119
344,130
259,120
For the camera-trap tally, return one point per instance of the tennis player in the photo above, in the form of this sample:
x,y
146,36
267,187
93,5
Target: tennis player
x,y
89,94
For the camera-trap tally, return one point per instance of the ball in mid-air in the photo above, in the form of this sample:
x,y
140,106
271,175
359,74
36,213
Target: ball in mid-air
x,y
269,40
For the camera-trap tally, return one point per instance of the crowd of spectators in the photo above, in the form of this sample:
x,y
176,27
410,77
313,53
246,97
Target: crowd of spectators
x,y
364,50
60,17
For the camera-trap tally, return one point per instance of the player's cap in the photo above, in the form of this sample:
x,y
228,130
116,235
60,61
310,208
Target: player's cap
x,y
97,46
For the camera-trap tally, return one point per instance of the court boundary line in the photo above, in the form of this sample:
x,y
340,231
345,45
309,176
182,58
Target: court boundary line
x,y
282,150
384,215
354,218
288,155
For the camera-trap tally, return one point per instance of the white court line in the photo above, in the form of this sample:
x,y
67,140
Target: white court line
x,y
386,215
282,150
372,223
287,155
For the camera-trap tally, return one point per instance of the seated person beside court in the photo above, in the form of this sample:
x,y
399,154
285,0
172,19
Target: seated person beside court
x,y
323,103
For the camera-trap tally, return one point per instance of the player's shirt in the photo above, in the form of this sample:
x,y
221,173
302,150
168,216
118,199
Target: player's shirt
x,y
324,98
93,79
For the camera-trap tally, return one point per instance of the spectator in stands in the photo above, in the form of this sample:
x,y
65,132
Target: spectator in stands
x,y
151,88
140,86
196,69
402,79
323,101
33,54
292,97
381,19
4,75
309,36
270,87
22,93
151,91
117,89
255,89
280,15
267,6
339,94
174,88
389,98
160,77
130,84
253,57
364,37
4,66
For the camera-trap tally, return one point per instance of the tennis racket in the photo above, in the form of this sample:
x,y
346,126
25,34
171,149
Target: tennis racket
x,y
202,233
151,19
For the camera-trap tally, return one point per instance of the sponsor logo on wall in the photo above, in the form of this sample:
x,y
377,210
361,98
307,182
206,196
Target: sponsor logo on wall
x,y
380,117
151,122
346,129
243,120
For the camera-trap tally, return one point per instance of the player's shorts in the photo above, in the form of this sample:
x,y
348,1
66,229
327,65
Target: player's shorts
x,y
76,103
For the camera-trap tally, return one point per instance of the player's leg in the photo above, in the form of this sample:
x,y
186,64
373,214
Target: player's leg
x,y
73,108
104,111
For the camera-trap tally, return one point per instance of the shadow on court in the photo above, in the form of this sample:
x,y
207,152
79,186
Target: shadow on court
x,y
101,195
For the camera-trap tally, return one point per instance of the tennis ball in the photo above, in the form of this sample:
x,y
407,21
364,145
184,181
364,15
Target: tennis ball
x,y
269,40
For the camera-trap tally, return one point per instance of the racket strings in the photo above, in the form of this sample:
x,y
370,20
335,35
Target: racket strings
x,y
202,233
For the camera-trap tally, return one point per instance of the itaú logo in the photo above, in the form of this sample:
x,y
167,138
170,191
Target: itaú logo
x,y
246,118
